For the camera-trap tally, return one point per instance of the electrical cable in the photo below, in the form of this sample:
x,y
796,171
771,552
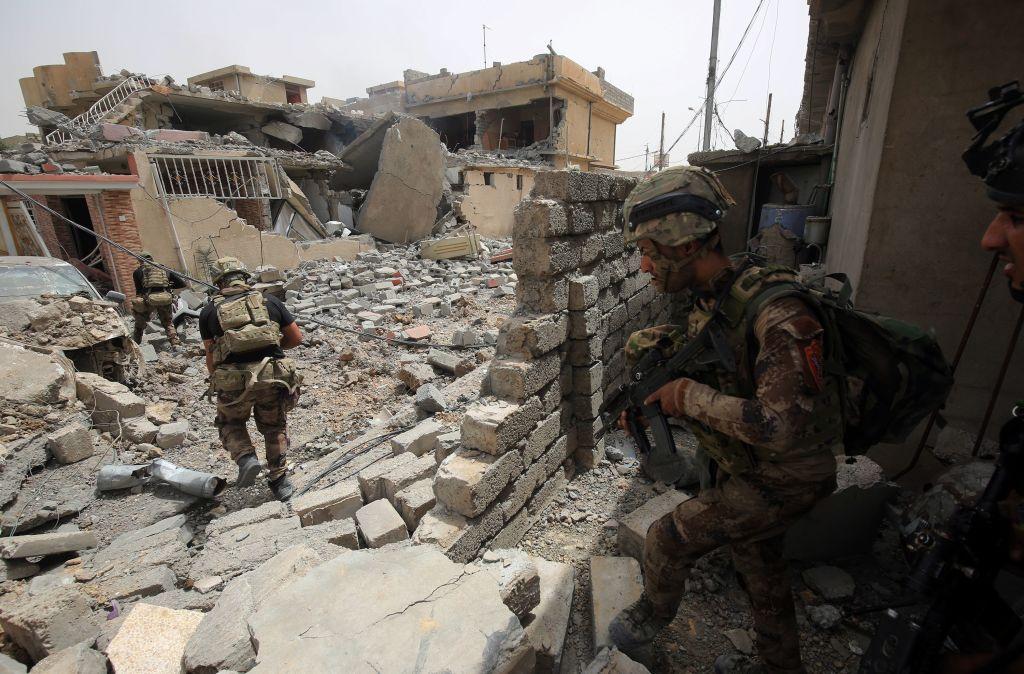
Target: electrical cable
x,y
350,456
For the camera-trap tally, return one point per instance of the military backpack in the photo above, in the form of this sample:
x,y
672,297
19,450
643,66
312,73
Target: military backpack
x,y
246,325
900,372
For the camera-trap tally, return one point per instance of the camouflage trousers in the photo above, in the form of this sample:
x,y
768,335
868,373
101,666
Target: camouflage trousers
x,y
270,406
751,518
163,313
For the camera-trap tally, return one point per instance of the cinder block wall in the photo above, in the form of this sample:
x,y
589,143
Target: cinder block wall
x,y
579,295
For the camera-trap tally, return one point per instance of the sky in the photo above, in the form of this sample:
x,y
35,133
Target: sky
x,y
655,50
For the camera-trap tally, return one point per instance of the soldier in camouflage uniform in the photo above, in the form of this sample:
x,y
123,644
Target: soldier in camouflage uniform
x,y
153,287
770,425
245,334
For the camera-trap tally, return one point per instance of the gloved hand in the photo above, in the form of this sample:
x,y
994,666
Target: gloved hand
x,y
671,397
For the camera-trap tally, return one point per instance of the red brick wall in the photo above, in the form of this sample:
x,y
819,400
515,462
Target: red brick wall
x,y
255,212
113,216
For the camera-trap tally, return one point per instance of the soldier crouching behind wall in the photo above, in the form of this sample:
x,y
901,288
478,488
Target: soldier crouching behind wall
x,y
245,335
769,426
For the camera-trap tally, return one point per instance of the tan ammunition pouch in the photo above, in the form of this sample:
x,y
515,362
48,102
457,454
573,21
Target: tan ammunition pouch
x,y
246,325
139,304
267,373
160,298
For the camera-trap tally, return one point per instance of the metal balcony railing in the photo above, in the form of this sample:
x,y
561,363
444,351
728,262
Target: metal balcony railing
x,y
198,176
101,108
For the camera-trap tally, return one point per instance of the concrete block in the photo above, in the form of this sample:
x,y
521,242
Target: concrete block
x,y
152,639
337,502
178,135
52,621
517,578
415,375
371,479
419,439
542,295
430,399
139,430
39,545
414,501
342,533
450,362
458,537
70,444
545,258
468,481
380,524
633,527
543,434
572,186
582,292
585,352
584,324
587,380
587,407
615,583
548,623
519,379
172,434
110,401
513,531
496,427
610,660
532,336
589,454
78,659
403,476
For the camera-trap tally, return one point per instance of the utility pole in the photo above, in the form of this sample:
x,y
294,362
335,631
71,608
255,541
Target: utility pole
x,y
709,102
661,147
646,153
485,44
767,119
782,132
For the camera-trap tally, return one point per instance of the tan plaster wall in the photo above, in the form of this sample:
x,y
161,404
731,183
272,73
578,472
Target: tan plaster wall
x,y
490,208
602,140
203,225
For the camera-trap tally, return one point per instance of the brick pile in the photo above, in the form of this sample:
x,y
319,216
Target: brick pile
x,y
579,295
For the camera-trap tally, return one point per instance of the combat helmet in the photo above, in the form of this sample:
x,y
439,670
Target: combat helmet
x,y
1000,163
146,255
228,265
675,206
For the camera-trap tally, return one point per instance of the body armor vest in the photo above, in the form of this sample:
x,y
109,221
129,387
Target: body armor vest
x,y
738,313
154,277
245,322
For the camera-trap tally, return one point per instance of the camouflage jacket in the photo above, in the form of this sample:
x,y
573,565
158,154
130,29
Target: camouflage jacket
x,y
778,414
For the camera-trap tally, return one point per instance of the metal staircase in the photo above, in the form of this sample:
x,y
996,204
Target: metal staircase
x,y
101,108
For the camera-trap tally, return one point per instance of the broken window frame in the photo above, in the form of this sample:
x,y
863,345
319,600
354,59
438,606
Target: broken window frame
x,y
206,176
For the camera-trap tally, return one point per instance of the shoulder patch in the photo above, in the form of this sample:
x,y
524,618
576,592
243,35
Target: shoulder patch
x,y
814,364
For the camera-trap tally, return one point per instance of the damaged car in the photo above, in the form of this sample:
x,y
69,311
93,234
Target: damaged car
x,y
47,302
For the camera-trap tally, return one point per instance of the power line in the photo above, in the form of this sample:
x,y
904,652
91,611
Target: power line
x,y
725,70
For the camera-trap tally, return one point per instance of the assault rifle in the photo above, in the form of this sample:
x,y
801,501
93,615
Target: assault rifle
x,y
710,347
952,599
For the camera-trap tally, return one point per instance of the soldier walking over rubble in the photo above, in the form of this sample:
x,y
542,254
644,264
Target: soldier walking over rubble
x,y
153,287
769,425
245,335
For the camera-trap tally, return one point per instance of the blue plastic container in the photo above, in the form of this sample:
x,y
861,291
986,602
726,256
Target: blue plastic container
x,y
789,217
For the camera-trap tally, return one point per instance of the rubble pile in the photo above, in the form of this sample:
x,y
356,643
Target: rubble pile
x,y
64,322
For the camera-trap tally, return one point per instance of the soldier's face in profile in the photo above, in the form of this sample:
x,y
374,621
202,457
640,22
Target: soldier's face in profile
x,y
657,261
1005,235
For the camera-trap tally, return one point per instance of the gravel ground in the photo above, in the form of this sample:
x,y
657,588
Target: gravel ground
x,y
583,523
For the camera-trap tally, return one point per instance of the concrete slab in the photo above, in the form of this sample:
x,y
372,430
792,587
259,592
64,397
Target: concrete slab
x,y
380,524
152,640
633,527
615,583
547,624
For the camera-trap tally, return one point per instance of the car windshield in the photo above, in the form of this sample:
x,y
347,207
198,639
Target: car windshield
x,y
24,281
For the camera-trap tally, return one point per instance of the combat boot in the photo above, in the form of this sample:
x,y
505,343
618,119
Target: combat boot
x,y
636,626
248,469
282,488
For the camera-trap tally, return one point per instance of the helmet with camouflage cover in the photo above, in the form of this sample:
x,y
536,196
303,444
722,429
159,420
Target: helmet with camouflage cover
x,y
675,206
228,265
146,255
